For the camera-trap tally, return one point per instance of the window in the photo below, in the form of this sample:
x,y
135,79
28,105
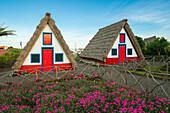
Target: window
x,y
129,51
59,57
122,37
35,58
47,38
114,52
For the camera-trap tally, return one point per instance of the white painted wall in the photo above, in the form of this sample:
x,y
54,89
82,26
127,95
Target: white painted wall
x,y
128,45
36,49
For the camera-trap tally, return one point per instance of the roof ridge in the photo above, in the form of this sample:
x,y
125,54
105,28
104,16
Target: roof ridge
x,y
124,20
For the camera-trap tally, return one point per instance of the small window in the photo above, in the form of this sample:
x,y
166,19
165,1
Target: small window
x,y
47,38
114,51
129,51
59,57
122,38
35,58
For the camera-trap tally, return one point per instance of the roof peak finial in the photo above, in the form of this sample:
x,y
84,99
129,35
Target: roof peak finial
x,y
48,14
125,20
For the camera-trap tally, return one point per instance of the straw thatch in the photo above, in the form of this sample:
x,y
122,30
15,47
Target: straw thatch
x,y
150,39
99,46
46,20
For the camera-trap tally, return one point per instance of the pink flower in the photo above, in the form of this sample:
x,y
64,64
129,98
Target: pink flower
x,y
104,110
62,110
55,110
112,82
151,108
95,75
95,104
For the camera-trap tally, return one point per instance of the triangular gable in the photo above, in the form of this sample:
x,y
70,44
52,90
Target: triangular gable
x,y
100,45
46,20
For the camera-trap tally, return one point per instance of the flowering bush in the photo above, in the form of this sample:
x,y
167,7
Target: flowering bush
x,y
39,80
78,94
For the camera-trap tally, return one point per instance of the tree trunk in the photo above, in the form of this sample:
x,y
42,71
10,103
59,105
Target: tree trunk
x,y
159,52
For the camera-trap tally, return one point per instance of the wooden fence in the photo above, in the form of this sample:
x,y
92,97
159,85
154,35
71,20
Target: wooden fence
x,y
152,80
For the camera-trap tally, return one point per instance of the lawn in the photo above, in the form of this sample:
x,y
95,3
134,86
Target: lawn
x,y
77,94
143,72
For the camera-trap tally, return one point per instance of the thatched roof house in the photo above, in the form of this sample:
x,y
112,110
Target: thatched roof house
x,y
113,44
46,48
150,39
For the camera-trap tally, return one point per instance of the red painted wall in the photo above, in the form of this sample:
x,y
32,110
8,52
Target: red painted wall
x,y
112,60
66,66
132,58
32,68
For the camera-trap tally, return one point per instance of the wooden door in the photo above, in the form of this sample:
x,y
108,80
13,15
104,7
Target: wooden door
x,y
122,53
47,59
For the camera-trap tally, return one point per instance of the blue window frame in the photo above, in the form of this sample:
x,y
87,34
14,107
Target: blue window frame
x,y
129,51
122,38
35,58
59,57
114,52
46,40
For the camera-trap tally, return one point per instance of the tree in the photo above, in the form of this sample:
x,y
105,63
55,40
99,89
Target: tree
x,y
141,43
4,32
158,45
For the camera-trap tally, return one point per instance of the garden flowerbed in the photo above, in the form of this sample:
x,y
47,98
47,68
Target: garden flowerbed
x,y
77,94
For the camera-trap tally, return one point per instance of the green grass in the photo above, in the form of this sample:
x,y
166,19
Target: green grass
x,y
155,69
143,72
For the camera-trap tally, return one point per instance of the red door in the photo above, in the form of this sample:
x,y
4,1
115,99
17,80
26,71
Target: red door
x,y
122,53
47,59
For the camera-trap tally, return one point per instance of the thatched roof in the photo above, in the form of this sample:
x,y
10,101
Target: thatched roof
x,y
46,20
99,46
150,39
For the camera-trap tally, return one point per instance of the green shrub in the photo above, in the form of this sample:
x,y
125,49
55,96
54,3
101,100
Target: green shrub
x,y
163,68
3,59
6,54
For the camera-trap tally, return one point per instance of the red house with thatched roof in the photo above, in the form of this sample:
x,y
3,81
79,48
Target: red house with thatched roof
x,y
45,50
113,44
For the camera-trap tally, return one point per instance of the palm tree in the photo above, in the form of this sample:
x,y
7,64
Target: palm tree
x,y
4,32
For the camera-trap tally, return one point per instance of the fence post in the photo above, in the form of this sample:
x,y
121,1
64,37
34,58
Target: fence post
x,y
98,70
147,85
56,75
11,76
88,68
126,75
167,68
36,74
111,71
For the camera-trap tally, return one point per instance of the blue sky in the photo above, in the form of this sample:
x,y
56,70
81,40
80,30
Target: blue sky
x,y
79,20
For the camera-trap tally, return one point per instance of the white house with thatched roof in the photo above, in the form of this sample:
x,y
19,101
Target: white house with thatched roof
x,y
45,50
113,44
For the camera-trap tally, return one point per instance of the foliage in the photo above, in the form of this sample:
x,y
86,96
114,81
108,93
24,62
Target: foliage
x,y
157,46
141,42
4,32
6,54
3,59
12,56
164,68
78,95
